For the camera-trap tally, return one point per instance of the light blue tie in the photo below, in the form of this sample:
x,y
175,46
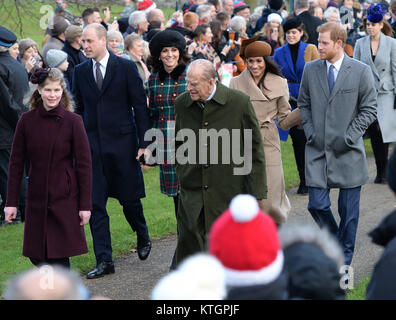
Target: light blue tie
x,y
330,78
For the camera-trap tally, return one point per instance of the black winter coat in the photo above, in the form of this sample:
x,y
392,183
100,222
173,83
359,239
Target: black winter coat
x,y
116,119
74,57
14,84
382,285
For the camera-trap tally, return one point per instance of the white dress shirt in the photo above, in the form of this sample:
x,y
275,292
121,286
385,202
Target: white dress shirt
x,y
337,66
103,65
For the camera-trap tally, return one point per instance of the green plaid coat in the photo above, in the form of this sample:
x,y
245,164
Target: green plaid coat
x,y
163,89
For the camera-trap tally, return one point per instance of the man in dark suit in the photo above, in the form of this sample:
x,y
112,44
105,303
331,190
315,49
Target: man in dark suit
x,y
110,97
310,22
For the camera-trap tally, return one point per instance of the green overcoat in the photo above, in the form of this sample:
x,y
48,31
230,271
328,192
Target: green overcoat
x,y
207,188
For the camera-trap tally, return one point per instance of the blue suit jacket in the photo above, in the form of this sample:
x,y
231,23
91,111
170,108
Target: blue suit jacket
x,y
116,119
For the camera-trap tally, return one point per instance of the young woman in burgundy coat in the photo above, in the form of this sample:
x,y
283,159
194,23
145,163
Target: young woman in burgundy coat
x,y
52,140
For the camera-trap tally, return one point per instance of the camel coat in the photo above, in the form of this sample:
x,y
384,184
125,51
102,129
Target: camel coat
x,y
271,104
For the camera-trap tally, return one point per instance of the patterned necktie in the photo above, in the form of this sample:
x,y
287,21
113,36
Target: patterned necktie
x,y
99,76
330,78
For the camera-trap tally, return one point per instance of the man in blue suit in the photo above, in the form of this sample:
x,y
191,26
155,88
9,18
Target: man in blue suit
x,y
110,97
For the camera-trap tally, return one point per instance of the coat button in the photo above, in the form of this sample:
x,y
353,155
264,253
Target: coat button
x,y
206,166
176,83
206,124
162,83
174,94
206,187
160,96
162,108
162,119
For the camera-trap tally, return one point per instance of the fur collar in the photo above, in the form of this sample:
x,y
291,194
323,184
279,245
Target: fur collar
x,y
175,74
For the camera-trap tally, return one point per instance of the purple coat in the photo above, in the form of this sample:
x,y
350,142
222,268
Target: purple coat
x,y
60,181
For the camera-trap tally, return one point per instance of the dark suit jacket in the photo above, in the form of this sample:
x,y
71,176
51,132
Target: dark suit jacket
x,y
310,23
116,119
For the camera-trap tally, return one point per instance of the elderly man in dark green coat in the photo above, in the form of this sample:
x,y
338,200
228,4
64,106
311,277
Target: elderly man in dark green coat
x,y
219,154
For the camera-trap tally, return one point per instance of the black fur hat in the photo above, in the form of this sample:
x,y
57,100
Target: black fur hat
x,y
275,4
166,38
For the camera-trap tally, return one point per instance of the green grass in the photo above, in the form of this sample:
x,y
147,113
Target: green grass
x,y
159,214
158,208
359,292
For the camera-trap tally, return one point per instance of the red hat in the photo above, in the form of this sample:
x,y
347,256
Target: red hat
x,y
246,242
146,5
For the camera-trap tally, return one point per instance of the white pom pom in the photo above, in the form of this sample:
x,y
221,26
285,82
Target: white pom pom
x,y
244,208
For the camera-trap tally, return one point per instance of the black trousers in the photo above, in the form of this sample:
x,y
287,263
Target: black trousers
x,y
64,262
380,149
4,163
299,140
173,263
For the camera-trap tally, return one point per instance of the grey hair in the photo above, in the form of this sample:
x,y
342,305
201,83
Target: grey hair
x,y
290,234
329,11
301,4
74,290
238,23
136,17
205,66
152,13
114,34
203,11
130,40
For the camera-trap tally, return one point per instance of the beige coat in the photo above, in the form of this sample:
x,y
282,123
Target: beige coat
x,y
269,104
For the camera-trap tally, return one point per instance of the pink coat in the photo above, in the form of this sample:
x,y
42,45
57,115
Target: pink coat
x,y
55,146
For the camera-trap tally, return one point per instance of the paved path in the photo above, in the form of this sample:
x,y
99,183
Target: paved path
x,y
134,279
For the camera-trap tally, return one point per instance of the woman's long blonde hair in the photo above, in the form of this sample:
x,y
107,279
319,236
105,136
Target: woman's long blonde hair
x,y
265,32
54,75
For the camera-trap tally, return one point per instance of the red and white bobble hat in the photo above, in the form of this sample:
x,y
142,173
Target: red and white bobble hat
x,y
246,242
146,5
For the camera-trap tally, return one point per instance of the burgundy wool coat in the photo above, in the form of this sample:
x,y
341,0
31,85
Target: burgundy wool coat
x,y
60,181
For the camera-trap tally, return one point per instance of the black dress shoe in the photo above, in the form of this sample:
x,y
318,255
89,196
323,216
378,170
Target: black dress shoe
x,y
302,189
101,270
143,248
380,180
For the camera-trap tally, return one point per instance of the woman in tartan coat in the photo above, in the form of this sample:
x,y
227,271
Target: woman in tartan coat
x,y
167,81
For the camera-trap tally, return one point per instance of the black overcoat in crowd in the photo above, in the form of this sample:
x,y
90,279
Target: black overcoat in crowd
x,y
116,119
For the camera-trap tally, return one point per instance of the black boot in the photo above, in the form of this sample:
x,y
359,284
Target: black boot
x,y
302,189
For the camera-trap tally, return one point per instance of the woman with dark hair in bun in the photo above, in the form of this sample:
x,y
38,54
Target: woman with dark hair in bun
x,y
51,139
167,81
268,91
292,58
378,51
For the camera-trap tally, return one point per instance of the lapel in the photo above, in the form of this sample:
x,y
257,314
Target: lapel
x,y
300,64
290,61
322,77
342,74
91,79
111,70
367,53
381,52
248,85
